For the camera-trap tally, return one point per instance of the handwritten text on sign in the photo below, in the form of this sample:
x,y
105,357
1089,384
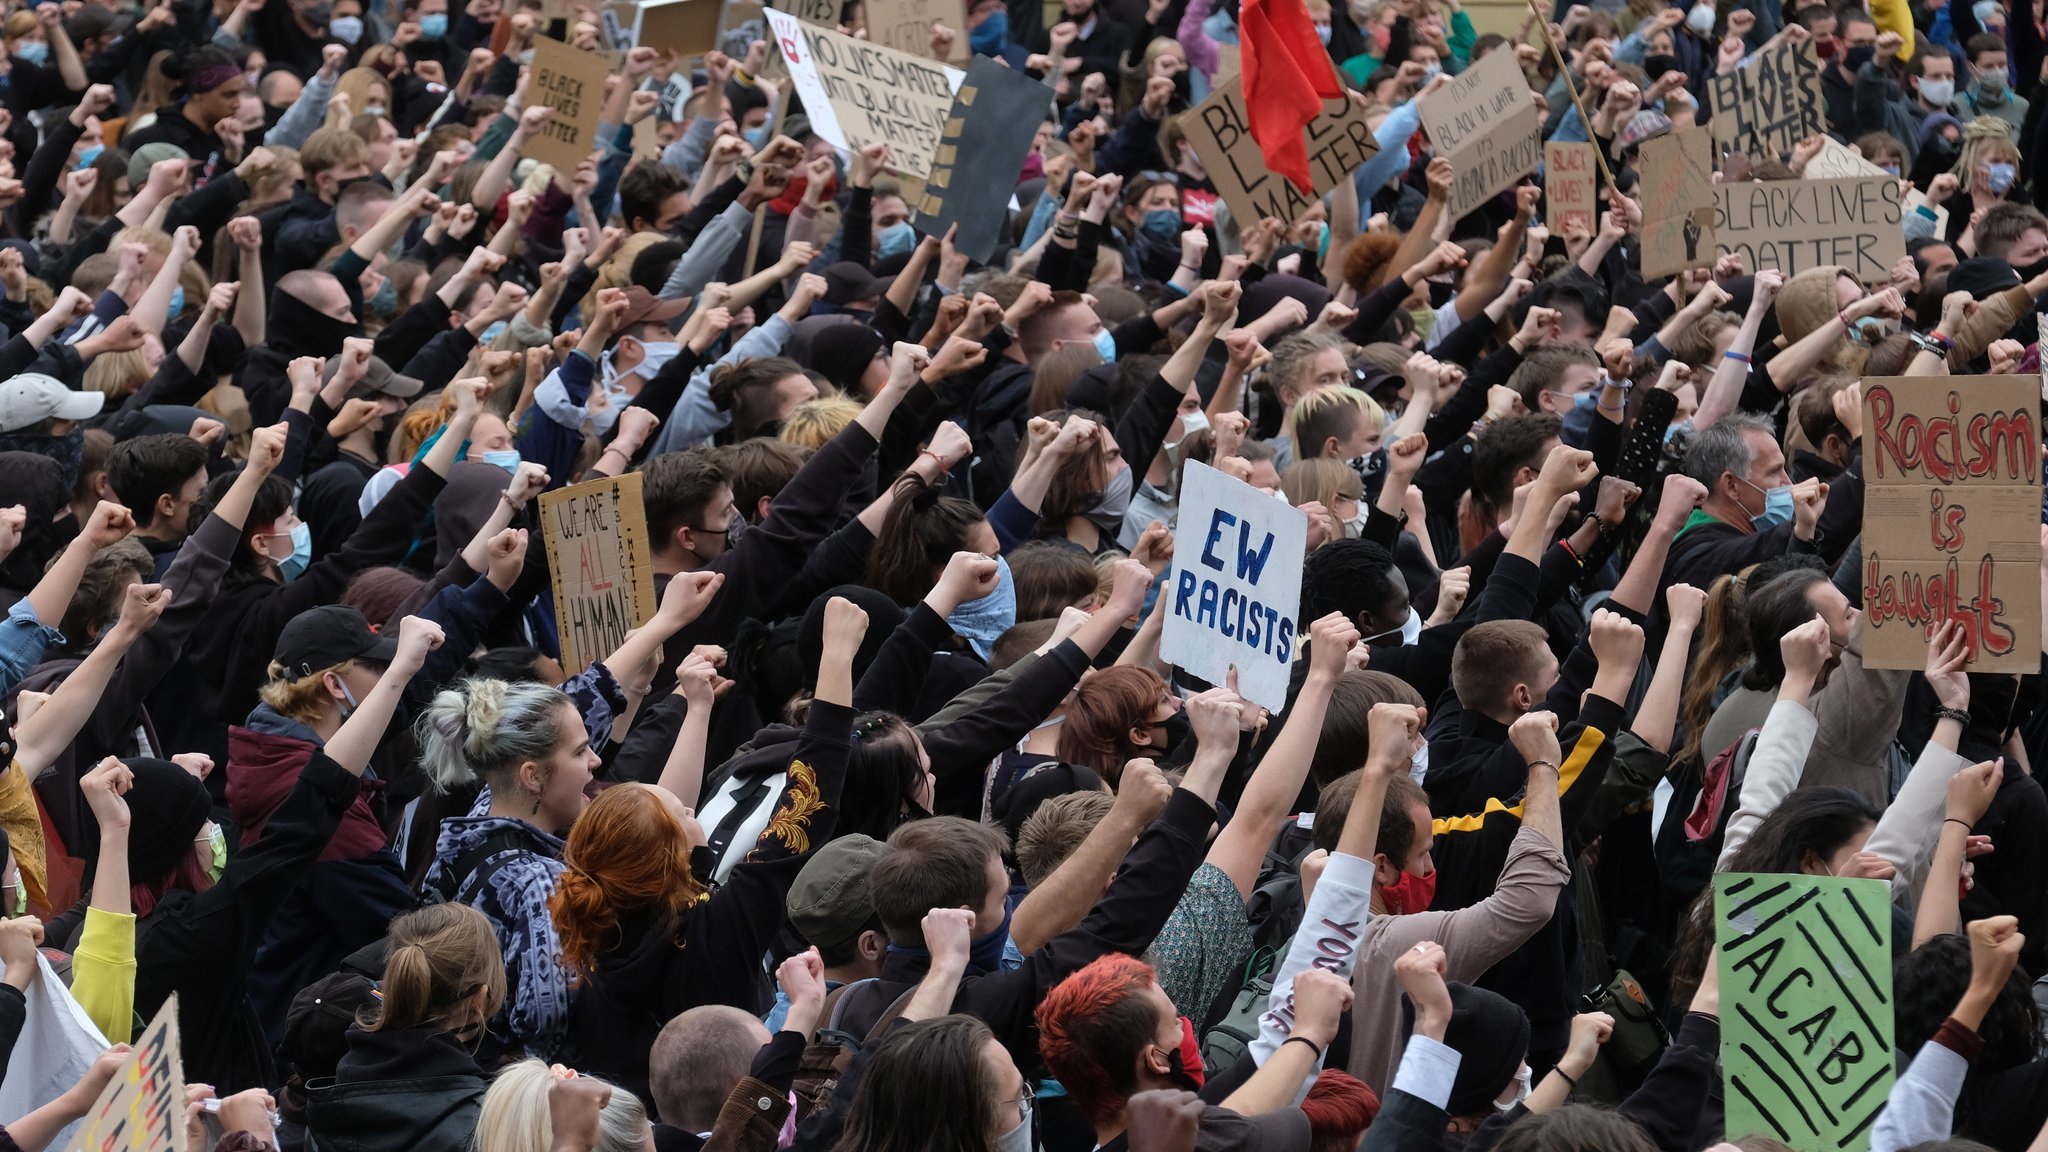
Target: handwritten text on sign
x,y
881,96
1952,518
602,565
571,82
1793,225
1568,181
1219,128
1235,593
1806,1006
1486,123
1769,104
142,1109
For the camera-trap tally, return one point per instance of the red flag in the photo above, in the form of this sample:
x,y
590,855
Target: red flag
x,y
1287,76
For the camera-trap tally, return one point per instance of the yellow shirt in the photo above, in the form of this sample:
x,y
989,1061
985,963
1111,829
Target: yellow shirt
x,y
24,826
103,973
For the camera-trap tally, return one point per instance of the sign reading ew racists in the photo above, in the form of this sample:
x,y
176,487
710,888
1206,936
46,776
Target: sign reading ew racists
x,y
1678,202
571,82
868,94
1806,1006
1235,590
1952,518
1767,105
1219,129
142,1109
1486,123
602,564
1793,225
989,131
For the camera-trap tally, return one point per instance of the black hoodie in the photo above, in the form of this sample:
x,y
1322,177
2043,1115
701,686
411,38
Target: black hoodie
x,y
296,329
406,1090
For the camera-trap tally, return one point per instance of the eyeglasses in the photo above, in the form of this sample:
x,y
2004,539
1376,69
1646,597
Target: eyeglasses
x,y
1023,1103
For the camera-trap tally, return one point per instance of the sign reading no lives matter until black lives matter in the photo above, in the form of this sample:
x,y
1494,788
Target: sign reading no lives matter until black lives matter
x,y
1952,518
1235,589
602,564
872,94
1338,140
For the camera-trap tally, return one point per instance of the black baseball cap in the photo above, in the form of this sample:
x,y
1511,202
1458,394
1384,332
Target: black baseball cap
x,y
329,635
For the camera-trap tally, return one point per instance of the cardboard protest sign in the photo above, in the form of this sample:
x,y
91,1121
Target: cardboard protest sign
x,y
1568,183
1678,202
823,13
142,1109
1229,66
1765,106
1236,586
1806,1006
874,95
1916,199
571,82
1219,129
602,564
1952,518
687,27
1486,123
1837,161
906,25
988,133
1793,225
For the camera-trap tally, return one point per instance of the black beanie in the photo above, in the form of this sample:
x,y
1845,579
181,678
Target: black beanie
x,y
167,808
1491,1036
884,615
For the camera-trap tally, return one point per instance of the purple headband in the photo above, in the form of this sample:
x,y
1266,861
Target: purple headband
x,y
213,76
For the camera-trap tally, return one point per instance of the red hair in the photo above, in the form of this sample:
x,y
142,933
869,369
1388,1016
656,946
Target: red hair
x,y
1105,707
1340,1107
187,875
626,853
1091,1028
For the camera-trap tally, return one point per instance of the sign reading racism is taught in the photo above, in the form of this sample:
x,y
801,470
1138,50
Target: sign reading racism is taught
x,y
1487,125
870,94
1219,129
1793,225
1235,591
602,564
1952,518
1806,1006
1767,105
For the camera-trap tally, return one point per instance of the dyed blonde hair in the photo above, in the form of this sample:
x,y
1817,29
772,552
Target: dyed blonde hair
x,y
813,422
515,1115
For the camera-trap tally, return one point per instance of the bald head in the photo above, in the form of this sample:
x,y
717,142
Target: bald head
x,y
697,1059
319,291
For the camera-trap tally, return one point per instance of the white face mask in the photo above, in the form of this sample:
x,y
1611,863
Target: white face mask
x,y
1418,764
1412,630
1520,1093
1701,19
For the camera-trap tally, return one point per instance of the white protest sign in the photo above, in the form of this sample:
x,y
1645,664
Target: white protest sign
x,y
803,72
1235,591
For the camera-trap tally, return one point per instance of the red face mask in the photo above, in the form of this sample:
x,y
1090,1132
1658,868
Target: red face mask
x,y
1187,1059
1409,894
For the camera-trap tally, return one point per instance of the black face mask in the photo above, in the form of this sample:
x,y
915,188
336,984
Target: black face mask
x,y
1656,66
2033,270
1440,294
1858,55
1176,734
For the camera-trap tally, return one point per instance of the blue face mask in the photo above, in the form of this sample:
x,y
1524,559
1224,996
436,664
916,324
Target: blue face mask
x,y
295,565
895,240
980,622
91,154
434,25
1162,224
1777,505
989,36
177,302
347,29
385,301
33,51
1999,178
506,458
757,138
1105,346
490,334
1323,34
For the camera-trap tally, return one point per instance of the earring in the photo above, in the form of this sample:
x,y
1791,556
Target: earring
x,y
536,803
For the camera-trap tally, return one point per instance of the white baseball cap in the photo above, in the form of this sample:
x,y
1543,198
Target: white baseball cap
x,y
31,398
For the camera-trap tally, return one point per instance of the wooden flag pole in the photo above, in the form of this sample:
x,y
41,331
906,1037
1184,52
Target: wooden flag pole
x,y
761,213
1564,70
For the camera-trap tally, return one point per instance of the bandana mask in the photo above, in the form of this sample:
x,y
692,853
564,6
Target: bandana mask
x,y
1184,1064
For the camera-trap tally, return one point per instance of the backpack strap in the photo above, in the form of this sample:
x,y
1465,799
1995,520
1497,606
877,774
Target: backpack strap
x,y
470,870
889,1015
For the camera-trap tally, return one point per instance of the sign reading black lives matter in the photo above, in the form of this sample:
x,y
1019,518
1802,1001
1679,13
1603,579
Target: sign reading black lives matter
x,y
1219,129
1767,105
989,131
1793,225
1486,123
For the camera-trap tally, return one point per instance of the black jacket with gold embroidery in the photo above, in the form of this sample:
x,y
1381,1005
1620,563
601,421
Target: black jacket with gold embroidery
x,y
658,969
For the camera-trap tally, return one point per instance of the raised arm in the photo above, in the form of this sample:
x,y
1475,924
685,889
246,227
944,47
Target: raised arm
x,y
50,729
364,729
